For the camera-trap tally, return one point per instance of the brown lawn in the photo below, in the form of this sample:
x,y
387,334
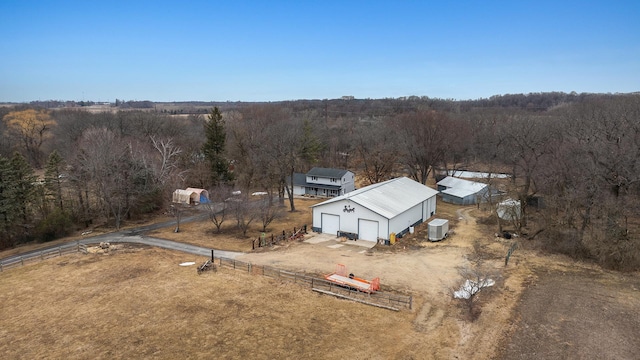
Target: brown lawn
x,y
137,302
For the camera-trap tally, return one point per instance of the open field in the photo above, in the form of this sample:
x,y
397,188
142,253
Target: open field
x,y
136,302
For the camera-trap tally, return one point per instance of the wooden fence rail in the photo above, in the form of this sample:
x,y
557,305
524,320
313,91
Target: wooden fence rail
x,y
40,256
387,300
378,298
262,241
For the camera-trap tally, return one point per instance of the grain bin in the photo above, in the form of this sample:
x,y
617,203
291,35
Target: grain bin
x,y
438,229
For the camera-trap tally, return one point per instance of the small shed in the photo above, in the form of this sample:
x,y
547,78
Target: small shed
x,y
191,196
438,229
203,195
509,210
462,192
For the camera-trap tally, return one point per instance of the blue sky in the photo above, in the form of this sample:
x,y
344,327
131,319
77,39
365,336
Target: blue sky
x,y
284,50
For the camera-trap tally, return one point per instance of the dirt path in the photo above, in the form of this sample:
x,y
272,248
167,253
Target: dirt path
x,y
429,273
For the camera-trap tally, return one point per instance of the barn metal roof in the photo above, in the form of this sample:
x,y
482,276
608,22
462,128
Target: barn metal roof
x,y
460,187
389,198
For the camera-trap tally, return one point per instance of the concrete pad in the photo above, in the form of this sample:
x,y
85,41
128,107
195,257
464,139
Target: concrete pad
x,y
335,246
317,238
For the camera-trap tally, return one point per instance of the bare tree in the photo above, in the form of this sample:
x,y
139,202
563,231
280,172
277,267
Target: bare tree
x,y
167,153
32,128
217,207
108,161
424,137
377,152
267,144
243,210
524,143
473,282
268,211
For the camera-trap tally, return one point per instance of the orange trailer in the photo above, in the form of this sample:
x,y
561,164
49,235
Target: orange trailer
x,y
341,278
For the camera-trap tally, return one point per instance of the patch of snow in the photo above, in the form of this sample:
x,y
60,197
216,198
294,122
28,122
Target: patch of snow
x,y
188,263
471,287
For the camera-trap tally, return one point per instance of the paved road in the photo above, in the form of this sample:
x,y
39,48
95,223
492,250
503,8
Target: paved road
x,y
136,236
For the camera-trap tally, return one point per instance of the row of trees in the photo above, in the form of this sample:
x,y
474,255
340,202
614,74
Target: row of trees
x,y
580,154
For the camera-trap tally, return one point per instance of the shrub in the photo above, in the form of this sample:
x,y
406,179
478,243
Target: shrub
x,y
55,225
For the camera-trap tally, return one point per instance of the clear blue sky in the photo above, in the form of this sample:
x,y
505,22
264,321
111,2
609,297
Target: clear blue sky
x,y
282,50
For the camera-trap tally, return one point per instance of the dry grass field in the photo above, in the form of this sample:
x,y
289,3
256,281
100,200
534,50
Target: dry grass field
x,y
137,302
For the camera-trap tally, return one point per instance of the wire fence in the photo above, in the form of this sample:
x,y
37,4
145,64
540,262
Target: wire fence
x,y
391,301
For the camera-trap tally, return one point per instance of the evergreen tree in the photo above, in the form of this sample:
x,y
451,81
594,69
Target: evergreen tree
x,y
7,200
310,145
23,183
214,147
53,178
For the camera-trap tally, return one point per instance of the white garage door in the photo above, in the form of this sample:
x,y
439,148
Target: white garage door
x,y
367,230
330,224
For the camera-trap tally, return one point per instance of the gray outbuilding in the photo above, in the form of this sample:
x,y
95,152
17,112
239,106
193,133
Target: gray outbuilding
x,y
372,213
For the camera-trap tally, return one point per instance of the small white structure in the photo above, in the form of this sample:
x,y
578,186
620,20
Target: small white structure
x,y
373,212
509,210
438,229
190,196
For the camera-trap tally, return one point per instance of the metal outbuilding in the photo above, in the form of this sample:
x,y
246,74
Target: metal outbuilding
x,y
372,213
462,192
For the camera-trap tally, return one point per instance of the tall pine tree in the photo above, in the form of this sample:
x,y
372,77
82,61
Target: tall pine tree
x,y
214,147
53,178
7,202
24,184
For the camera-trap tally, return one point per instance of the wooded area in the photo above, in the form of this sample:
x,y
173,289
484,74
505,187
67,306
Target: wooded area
x,y
64,169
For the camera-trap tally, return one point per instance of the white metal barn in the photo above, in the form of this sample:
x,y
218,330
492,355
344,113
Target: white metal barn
x,y
374,212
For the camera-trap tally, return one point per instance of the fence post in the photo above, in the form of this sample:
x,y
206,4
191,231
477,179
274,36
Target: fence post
x,y
410,302
41,254
60,251
212,257
22,260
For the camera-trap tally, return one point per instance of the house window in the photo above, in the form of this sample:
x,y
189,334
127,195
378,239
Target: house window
x,y
334,180
314,178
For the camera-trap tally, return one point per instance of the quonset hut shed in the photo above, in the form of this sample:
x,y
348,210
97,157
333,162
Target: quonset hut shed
x,y
372,213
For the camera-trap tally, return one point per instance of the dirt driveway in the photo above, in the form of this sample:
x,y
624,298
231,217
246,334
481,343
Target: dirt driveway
x,y
429,271
543,306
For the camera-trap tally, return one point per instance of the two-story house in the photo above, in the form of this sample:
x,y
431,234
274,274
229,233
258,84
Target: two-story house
x,y
324,182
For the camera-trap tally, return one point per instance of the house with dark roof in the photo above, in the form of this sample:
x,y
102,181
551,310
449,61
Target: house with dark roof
x,y
323,182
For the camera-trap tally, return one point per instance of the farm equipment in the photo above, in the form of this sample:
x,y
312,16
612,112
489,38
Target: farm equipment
x,y
206,266
340,277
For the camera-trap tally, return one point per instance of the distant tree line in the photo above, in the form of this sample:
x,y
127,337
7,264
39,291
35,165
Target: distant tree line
x,y
66,169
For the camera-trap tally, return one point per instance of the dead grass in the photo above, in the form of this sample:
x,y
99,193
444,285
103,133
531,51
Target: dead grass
x,y
203,233
141,304
138,303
